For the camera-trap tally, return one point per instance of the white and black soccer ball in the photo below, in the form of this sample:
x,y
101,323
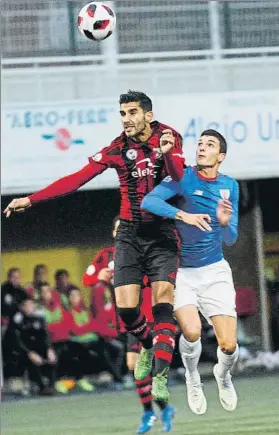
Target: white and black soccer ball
x,y
96,21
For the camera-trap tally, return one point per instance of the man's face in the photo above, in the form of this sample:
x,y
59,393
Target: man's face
x,y
15,279
117,223
28,307
41,274
134,119
63,280
75,298
46,294
208,152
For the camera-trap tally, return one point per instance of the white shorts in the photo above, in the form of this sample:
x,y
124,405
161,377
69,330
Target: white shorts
x,y
209,288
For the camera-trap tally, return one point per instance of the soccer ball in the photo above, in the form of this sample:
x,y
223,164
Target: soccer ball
x,y
96,21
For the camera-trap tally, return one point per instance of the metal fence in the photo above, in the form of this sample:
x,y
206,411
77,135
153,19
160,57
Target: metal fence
x,y
48,27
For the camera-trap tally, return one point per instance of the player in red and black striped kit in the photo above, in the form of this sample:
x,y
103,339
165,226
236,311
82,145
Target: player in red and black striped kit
x,y
99,277
142,155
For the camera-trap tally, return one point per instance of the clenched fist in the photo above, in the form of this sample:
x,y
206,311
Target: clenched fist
x,y
167,141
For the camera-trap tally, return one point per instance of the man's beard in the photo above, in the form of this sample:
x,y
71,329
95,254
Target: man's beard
x,y
136,137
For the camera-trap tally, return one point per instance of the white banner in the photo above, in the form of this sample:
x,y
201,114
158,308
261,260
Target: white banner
x,y
41,143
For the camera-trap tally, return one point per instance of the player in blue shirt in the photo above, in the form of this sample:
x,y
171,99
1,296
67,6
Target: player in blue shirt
x,y
206,215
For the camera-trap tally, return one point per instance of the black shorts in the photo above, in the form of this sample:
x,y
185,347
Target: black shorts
x,y
133,344
149,249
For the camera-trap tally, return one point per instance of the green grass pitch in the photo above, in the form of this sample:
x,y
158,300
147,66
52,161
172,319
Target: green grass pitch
x,y
119,413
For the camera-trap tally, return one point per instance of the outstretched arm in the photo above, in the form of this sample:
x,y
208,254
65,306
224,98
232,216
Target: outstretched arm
x,y
61,187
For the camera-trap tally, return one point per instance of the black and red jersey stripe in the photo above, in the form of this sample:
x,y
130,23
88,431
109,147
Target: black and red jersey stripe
x,y
140,167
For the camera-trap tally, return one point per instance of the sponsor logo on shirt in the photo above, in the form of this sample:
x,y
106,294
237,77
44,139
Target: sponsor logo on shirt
x,y
144,168
198,192
168,179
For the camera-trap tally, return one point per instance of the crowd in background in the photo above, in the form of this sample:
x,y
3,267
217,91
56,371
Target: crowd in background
x,y
52,339
50,334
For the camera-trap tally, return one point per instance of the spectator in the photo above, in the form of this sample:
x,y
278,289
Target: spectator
x,y
99,277
12,294
85,340
40,274
62,281
26,345
62,285
58,325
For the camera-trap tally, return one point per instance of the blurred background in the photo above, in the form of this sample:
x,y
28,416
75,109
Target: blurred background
x,y
205,64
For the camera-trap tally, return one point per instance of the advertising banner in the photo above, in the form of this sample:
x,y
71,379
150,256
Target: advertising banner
x,y
43,142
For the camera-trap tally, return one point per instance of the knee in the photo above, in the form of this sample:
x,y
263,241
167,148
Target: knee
x,y
227,345
163,292
192,333
129,315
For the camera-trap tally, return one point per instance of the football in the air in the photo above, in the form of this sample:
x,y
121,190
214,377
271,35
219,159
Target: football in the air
x,y
96,21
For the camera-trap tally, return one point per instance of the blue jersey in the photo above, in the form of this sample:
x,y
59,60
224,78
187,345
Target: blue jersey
x,y
197,195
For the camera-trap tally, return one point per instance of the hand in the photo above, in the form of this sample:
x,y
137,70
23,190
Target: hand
x,y
197,220
105,274
51,356
35,358
224,212
17,206
167,141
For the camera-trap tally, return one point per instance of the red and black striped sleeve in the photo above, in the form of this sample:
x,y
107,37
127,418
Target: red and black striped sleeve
x,y
174,159
68,184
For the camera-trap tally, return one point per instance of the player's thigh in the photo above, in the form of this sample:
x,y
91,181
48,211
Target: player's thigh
x,y
186,305
127,269
161,257
217,298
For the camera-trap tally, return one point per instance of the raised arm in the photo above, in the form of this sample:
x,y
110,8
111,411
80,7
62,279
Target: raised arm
x,y
61,187
171,145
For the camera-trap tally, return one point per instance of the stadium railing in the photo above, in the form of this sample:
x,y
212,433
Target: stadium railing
x,y
86,77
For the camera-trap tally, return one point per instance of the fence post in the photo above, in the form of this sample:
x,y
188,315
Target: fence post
x,y
215,29
227,25
265,327
72,28
109,47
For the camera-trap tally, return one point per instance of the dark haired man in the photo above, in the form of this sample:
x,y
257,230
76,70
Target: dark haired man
x,y
26,345
40,274
12,294
206,215
142,155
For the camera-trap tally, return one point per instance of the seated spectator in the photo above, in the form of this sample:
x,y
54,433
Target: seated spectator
x,y
40,274
26,346
58,326
12,294
85,339
62,285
